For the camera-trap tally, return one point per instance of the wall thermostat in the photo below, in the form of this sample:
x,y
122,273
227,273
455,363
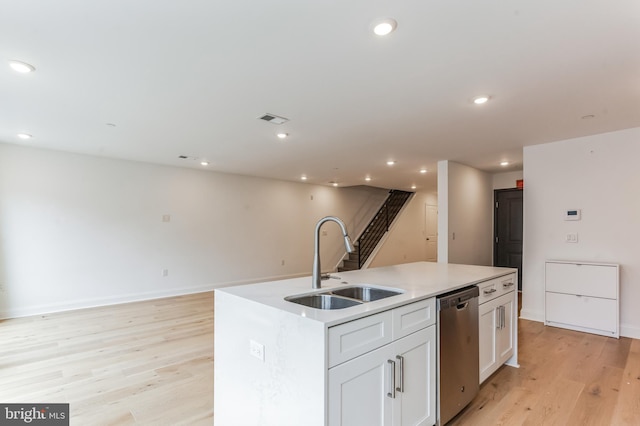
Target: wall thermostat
x,y
573,214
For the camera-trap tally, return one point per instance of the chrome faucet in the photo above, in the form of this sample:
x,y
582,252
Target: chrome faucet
x,y
316,254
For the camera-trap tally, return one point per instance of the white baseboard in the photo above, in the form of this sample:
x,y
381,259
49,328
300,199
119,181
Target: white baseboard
x,y
626,330
629,331
532,315
26,311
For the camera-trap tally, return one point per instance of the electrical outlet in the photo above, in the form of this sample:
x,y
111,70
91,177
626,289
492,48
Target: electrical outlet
x,y
572,238
166,218
165,272
282,262
256,349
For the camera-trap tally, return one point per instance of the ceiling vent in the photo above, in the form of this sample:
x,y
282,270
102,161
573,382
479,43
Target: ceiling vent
x,y
274,119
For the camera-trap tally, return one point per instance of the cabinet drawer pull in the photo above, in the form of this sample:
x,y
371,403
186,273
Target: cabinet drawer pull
x,y
491,290
401,359
506,285
392,378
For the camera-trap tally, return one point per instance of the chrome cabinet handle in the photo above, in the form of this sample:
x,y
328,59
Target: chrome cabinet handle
x,y
401,359
491,290
509,284
501,317
392,380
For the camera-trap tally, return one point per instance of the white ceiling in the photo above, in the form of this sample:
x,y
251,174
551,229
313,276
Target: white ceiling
x,y
191,77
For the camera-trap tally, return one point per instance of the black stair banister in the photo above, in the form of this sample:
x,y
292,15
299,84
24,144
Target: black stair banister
x,y
376,229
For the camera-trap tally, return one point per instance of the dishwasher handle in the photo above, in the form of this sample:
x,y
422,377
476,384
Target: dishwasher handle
x,y
457,298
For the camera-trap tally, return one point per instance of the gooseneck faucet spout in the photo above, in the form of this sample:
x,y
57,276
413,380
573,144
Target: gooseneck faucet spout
x,y
316,253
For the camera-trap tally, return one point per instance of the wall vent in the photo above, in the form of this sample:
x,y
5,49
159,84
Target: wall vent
x,y
274,119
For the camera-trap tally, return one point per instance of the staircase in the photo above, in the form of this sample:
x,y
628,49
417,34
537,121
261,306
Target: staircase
x,y
376,229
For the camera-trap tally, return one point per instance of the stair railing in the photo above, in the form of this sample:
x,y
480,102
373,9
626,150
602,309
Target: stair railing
x,y
380,224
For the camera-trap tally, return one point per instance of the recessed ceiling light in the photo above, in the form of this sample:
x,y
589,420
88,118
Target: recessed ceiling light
x,y
504,163
423,171
391,163
368,178
384,26
303,177
282,135
413,187
334,183
24,136
204,163
21,67
479,100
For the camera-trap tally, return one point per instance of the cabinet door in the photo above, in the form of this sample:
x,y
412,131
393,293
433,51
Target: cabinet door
x,y
393,385
358,390
416,379
487,328
504,341
495,329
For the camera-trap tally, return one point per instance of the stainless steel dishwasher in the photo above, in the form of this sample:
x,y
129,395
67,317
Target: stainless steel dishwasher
x,y
458,354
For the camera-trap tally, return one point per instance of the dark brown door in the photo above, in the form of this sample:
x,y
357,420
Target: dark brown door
x,y
508,230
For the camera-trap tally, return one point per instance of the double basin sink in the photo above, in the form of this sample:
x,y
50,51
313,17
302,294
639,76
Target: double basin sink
x,y
340,298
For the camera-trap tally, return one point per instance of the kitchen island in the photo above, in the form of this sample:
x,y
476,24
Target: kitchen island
x,y
281,363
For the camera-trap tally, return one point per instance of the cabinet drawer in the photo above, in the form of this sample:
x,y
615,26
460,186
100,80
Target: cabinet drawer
x,y
582,279
496,287
351,339
582,311
413,317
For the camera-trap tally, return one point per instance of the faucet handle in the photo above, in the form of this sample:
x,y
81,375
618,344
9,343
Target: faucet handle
x,y
329,276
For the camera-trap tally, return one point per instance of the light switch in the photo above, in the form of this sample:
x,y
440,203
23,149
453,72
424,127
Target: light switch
x,y
257,350
572,238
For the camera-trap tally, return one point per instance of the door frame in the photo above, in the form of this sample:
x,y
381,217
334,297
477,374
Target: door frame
x,y
495,225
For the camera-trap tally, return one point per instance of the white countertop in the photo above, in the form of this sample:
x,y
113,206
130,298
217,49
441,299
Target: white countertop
x,y
420,280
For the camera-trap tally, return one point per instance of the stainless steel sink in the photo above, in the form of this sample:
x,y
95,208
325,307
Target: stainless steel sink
x,y
340,298
323,301
366,294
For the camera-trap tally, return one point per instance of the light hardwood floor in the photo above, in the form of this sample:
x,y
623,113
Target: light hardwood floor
x,y
138,363
152,363
565,378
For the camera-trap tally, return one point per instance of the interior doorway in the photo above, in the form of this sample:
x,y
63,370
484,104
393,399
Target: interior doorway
x,y
507,246
431,231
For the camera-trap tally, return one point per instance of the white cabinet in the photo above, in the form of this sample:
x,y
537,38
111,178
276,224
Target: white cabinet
x,y
393,384
582,296
497,316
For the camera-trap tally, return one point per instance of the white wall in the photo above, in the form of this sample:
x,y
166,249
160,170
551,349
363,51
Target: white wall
x,y
405,242
506,180
600,175
78,231
469,213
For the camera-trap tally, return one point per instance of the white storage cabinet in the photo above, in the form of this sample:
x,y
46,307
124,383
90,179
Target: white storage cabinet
x,y
382,368
497,310
582,296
